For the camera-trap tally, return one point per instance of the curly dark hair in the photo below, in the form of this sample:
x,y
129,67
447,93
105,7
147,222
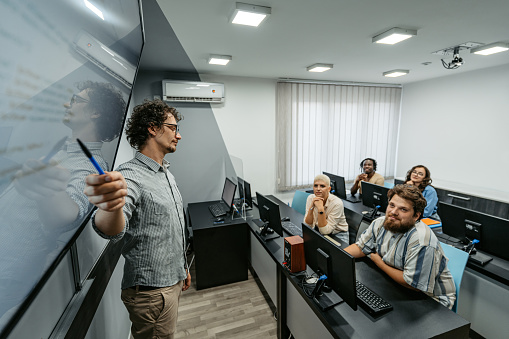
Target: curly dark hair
x,y
106,101
411,193
427,179
150,113
374,163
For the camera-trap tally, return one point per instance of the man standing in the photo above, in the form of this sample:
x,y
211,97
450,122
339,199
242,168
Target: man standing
x,y
326,211
141,204
368,167
406,249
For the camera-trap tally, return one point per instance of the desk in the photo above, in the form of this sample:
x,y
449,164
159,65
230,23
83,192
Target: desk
x,y
484,296
414,314
220,249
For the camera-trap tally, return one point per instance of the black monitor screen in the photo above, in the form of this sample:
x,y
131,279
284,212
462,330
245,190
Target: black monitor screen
x,y
374,195
341,276
269,212
453,221
465,225
228,192
337,185
241,188
247,194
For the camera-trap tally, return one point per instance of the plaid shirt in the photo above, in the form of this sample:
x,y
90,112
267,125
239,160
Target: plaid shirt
x,y
417,253
153,236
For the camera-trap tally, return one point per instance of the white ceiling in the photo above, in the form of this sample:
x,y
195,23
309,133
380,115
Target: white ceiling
x,y
299,33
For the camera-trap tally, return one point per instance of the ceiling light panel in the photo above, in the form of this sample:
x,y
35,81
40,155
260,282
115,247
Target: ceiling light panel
x,y
319,67
394,35
250,15
493,48
94,9
396,73
222,60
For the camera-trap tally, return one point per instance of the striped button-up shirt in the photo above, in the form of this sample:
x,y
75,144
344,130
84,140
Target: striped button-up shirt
x,y
417,253
153,236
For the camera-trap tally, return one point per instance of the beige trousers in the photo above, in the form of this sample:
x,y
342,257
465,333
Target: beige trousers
x,y
153,313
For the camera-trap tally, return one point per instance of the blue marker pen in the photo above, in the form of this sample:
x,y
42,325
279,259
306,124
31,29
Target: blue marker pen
x,y
89,156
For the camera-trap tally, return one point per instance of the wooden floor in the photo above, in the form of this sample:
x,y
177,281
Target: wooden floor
x,y
236,310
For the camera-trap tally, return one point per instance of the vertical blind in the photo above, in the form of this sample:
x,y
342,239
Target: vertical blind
x,y
330,127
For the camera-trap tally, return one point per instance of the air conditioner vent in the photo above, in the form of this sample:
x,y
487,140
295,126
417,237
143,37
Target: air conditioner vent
x,y
192,91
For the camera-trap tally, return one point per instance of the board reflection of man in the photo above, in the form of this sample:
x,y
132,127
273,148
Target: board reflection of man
x,y
45,203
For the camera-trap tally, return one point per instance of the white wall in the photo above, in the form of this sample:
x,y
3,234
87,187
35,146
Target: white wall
x,y
247,121
458,127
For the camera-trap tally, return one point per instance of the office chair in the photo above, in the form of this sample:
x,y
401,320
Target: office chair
x,y
299,201
388,184
456,264
353,219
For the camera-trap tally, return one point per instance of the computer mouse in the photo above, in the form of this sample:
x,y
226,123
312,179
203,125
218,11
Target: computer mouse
x,y
219,219
285,219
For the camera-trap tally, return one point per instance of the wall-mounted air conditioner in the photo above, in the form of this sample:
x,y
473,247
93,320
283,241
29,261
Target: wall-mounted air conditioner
x,y
192,91
105,58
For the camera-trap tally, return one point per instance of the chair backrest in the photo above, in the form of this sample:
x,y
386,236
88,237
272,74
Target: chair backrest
x,y
456,264
388,184
299,201
353,219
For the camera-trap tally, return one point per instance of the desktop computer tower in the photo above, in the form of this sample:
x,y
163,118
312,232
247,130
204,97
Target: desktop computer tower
x,y
294,259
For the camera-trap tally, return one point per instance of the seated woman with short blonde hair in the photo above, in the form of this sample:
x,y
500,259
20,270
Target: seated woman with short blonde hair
x,y
325,211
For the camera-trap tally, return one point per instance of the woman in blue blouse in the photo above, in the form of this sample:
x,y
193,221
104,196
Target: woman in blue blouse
x,y
420,176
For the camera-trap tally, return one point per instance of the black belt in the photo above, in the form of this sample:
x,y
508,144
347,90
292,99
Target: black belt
x,y
144,288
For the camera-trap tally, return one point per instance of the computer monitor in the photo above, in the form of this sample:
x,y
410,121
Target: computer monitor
x,y
374,195
337,184
341,271
228,193
465,225
269,213
247,194
240,185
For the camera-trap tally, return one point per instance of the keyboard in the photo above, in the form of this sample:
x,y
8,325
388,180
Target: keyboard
x,y
370,301
218,210
291,228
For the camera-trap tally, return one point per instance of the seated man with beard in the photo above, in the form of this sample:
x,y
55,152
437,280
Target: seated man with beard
x,y
406,249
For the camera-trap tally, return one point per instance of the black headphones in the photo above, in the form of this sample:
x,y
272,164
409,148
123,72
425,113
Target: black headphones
x,y
374,163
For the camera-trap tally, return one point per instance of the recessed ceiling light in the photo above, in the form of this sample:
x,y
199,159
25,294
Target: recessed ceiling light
x,y
250,15
94,9
395,73
394,35
215,59
493,48
319,67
